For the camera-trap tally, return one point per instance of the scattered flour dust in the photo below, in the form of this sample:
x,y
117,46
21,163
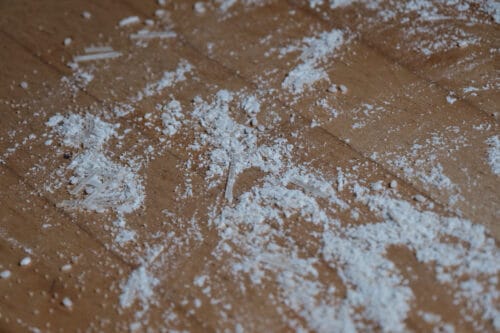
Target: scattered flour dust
x,y
171,117
422,162
333,3
104,184
225,5
253,232
314,51
233,145
140,285
494,153
76,130
358,253
168,79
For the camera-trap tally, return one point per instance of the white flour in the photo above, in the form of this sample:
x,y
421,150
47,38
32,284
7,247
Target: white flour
x,y
494,154
97,182
317,243
314,50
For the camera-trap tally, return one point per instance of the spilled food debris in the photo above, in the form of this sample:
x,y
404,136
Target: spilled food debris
x,y
314,181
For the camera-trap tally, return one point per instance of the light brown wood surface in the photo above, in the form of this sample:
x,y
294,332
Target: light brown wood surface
x,y
381,66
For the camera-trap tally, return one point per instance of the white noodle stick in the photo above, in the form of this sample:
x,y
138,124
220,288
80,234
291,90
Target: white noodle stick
x,y
98,49
97,56
154,34
231,178
129,20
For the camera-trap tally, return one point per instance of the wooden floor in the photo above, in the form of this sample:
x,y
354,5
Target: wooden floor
x,y
409,97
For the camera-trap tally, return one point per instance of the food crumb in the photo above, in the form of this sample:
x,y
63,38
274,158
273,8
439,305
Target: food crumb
x,y
86,15
129,21
419,198
67,302
199,8
26,261
5,274
66,268
451,99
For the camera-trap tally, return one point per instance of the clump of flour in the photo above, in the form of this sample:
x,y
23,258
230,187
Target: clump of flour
x,y
314,50
98,183
494,154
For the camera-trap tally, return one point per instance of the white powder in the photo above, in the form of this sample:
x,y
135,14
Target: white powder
x,y
492,7
86,15
86,131
302,76
233,144
66,268
426,234
171,117
344,3
314,51
98,182
129,21
125,236
340,3
494,153
67,302
199,8
225,5
358,253
199,281
26,261
314,3
255,231
250,104
101,184
139,287
169,79
451,99
5,274
421,163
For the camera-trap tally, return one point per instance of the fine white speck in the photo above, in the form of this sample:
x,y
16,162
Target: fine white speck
x,y
66,268
26,261
451,99
199,8
5,274
197,303
419,198
86,15
129,21
494,154
67,302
